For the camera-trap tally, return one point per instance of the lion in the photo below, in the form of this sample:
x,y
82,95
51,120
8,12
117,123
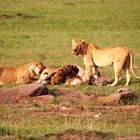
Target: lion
x,y
120,57
23,73
46,75
67,71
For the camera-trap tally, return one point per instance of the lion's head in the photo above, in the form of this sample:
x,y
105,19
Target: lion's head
x,y
79,47
70,69
36,67
46,74
43,75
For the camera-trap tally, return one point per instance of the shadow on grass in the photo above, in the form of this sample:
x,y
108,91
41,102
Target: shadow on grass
x,y
18,15
67,134
78,134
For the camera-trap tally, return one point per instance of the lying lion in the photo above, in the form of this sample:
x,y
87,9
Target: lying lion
x,y
120,57
23,73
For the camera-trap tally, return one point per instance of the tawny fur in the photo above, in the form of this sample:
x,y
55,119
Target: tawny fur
x,y
63,73
73,81
45,76
23,73
120,57
48,73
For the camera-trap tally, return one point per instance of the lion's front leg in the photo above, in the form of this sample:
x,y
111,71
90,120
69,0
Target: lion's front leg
x,y
89,65
95,71
88,72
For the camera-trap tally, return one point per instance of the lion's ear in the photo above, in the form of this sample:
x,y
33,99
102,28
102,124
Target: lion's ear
x,y
73,41
83,41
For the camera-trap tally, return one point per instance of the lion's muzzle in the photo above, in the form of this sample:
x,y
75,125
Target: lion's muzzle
x,y
75,53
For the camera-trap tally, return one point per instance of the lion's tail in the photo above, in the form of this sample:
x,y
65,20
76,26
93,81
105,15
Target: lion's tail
x,y
131,65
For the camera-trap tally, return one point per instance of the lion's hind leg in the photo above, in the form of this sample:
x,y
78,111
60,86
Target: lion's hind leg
x,y
117,73
128,77
126,70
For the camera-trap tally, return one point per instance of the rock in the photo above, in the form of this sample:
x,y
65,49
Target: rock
x,y
124,95
128,97
43,99
11,95
120,90
68,92
115,98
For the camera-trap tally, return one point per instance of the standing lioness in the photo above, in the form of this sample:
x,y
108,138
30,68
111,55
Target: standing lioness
x,y
120,57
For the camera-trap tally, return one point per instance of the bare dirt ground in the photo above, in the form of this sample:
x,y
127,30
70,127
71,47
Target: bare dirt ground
x,y
37,93
70,103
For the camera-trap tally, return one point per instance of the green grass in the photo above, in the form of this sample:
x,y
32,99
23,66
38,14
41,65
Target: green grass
x,y
26,124
43,30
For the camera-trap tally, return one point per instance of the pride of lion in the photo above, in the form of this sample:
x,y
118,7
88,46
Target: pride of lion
x,y
71,74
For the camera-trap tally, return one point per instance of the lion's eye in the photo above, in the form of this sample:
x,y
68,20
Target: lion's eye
x,y
37,65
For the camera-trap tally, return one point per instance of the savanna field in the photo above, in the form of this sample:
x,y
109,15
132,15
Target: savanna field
x,y
43,30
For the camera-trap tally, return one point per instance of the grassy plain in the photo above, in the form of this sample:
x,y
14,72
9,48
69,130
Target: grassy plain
x,y
43,30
